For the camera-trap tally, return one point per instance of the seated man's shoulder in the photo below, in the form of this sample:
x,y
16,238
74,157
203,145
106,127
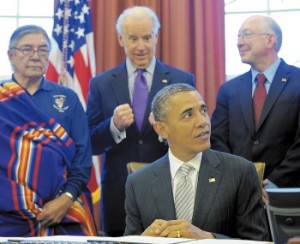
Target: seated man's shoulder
x,y
232,166
231,159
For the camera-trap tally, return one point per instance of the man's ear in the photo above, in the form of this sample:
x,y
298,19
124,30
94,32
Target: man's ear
x,y
160,129
271,40
120,39
9,54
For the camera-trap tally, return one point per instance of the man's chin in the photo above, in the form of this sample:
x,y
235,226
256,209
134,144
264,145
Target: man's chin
x,y
142,63
245,60
35,75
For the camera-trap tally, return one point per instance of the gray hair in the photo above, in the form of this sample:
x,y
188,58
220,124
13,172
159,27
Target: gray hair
x,y
160,101
273,26
135,11
25,30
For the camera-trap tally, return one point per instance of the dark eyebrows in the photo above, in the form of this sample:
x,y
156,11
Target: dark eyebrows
x,y
40,46
188,110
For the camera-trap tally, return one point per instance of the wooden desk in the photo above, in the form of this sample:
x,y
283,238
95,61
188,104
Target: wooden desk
x,y
295,240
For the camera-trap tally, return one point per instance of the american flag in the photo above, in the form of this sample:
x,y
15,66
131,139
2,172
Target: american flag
x,y
72,59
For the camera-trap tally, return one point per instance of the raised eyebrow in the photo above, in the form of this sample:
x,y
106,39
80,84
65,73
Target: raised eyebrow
x,y
131,36
203,106
186,111
44,47
26,45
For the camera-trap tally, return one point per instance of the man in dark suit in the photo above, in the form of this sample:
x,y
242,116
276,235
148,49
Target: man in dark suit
x,y
275,139
225,190
112,120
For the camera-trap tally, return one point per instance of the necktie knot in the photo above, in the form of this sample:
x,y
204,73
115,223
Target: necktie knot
x,y
261,79
186,169
140,71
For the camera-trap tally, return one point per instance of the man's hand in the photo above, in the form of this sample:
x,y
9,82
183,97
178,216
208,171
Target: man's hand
x,y
123,116
151,230
54,211
176,229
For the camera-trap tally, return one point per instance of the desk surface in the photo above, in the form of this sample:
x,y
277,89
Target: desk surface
x,y
115,240
295,240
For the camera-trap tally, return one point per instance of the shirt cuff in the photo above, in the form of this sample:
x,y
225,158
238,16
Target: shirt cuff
x,y
117,135
69,195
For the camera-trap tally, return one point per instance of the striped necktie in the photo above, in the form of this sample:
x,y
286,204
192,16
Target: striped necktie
x,y
184,195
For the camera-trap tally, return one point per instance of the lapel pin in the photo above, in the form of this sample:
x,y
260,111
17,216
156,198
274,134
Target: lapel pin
x,y
283,80
211,180
164,81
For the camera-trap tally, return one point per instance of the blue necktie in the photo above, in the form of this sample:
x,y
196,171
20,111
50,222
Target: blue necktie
x,y
140,97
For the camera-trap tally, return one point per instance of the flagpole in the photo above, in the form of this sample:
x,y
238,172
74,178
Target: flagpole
x,y
64,58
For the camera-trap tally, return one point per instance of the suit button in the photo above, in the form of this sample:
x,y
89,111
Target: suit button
x,y
256,142
141,142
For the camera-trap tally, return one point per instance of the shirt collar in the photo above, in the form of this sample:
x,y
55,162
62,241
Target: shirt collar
x,y
131,69
44,85
175,163
269,72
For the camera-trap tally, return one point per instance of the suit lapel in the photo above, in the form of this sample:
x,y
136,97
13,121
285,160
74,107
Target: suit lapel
x,y
209,179
160,79
279,82
119,87
245,98
162,189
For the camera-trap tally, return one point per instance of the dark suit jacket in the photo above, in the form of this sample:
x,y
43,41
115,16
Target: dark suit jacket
x,y
231,206
277,140
107,91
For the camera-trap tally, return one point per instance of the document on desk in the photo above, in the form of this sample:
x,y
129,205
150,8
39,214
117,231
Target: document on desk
x,y
120,240
96,239
163,240
226,241
141,239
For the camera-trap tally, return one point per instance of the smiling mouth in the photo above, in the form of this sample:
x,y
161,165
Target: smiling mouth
x,y
243,51
203,134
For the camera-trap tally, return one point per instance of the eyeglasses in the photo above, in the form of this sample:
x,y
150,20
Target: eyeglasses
x,y
26,51
246,35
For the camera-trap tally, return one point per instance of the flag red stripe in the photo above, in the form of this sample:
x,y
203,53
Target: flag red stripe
x,y
83,73
51,73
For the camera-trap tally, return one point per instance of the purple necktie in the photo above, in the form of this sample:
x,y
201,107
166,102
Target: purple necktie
x,y
259,97
140,97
